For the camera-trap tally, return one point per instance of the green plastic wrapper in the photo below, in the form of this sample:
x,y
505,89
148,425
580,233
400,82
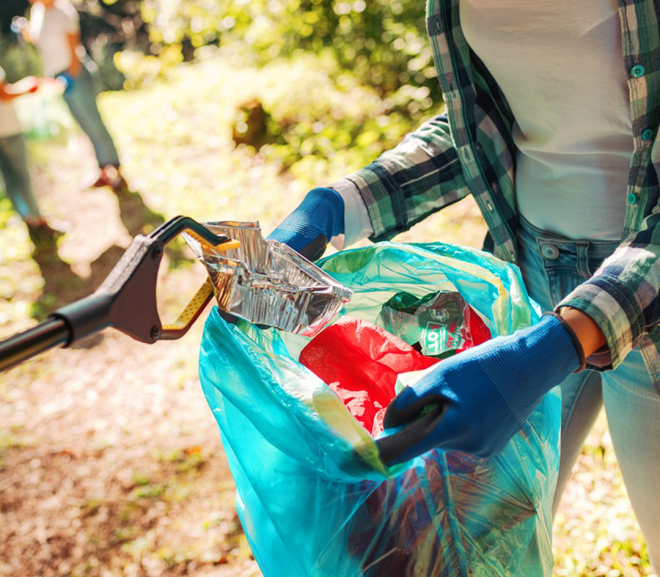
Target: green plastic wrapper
x,y
313,495
439,324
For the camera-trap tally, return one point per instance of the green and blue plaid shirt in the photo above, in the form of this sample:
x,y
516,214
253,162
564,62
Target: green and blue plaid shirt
x,y
470,150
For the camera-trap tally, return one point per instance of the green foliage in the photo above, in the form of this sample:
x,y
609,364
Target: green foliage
x,y
18,61
382,42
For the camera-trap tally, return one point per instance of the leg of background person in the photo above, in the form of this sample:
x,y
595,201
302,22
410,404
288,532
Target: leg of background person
x,y
633,412
13,162
81,100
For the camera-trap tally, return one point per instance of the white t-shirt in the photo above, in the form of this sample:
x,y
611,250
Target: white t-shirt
x,y
561,68
49,28
9,124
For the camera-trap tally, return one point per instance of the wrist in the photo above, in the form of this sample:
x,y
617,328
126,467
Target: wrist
x,y
527,364
575,341
319,218
588,333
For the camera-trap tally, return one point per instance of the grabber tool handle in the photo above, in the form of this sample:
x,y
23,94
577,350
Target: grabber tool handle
x,y
126,300
23,346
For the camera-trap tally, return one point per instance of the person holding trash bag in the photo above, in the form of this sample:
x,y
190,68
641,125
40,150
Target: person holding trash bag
x,y
13,160
551,124
54,29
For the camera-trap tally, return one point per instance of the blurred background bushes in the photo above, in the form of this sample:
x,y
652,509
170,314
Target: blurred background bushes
x,y
382,42
379,45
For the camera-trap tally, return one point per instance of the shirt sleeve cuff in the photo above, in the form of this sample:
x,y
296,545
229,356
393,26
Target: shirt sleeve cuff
x,y
614,308
357,225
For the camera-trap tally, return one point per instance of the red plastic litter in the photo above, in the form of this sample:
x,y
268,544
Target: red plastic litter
x,y
360,363
474,331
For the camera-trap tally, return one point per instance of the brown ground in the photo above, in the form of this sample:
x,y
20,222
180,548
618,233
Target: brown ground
x,y
110,460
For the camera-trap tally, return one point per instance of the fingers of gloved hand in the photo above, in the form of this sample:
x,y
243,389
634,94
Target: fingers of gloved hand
x,y
478,420
411,401
315,249
410,404
311,250
448,429
319,218
294,239
400,446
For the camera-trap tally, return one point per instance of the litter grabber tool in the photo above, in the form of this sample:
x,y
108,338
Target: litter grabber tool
x,y
126,300
262,281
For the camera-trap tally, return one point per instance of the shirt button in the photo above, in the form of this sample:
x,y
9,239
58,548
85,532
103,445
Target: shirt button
x,y
637,71
647,134
632,198
550,251
489,205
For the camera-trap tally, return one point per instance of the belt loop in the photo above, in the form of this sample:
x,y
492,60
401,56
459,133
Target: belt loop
x,y
583,259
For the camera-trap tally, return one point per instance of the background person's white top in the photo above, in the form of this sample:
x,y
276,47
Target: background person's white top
x,y
9,124
561,69
49,28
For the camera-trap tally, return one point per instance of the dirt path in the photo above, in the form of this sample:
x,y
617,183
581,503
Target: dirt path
x,y
110,460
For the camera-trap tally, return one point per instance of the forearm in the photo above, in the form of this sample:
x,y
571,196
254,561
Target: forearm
x,y
76,64
623,296
587,331
7,96
408,183
75,67
9,92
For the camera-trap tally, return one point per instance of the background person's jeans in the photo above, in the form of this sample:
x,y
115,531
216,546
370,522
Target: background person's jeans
x,y
81,99
14,168
552,266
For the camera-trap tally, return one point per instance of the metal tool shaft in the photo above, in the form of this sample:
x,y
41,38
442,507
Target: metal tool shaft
x,y
23,346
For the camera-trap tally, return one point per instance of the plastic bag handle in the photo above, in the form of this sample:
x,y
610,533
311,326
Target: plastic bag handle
x,y
409,435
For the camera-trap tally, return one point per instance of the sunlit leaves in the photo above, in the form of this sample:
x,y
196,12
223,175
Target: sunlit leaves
x,y
382,42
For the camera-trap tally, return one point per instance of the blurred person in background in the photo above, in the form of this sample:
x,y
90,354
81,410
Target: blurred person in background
x,y
13,160
54,29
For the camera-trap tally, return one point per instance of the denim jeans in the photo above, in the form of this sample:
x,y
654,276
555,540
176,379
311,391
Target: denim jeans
x,y
14,168
81,100
552,266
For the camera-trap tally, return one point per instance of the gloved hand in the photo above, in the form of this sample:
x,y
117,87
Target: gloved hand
x,y
308,229
67,80
489,391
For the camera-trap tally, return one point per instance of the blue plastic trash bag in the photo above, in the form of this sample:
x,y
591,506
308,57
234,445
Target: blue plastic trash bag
x,y
313,495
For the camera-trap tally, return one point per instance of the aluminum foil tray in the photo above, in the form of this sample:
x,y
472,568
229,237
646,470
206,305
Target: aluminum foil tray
x,y
268,283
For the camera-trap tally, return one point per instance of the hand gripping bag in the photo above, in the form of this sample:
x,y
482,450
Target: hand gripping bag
x,y
313,495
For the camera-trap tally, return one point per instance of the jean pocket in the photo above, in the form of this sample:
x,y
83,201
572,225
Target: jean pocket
x,y
561,282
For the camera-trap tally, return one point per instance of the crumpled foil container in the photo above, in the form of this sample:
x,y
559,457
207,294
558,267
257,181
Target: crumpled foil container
x,y
268,283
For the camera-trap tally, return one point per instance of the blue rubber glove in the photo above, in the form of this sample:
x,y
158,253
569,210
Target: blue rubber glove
x,y
68,81
308,229
488,392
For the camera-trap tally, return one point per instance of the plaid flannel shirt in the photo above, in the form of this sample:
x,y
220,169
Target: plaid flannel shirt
x,y
470,150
